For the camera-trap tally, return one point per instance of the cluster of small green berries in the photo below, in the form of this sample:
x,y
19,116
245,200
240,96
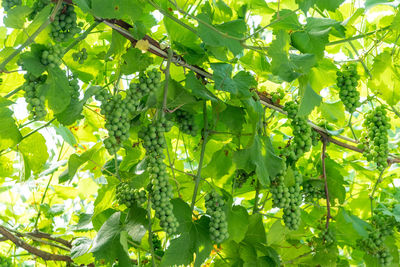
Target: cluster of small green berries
x,y
374,140
129,196
382,226
241,177
186,122
160,188
302,133
64,26
8,4
32,96
80,56
74,88
328,236
158,250
347,81
38,5
118,111
280,192
278,95
312,192
215,206
291,214
5,262
51,56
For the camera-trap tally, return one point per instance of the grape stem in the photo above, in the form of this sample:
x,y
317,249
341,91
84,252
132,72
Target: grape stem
x,y
32,37
351,128
46,189
150,240
203,149
328,206
371,196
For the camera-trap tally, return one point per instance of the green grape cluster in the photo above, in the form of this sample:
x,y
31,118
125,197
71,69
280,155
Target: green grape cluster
x,y
291,214
32,96
218,224
80,56
347,81
8,4
328,236
280,192
315,137
241,177
129,196
38,5
312,192
375,139
278,95
302,133
118,110
64,26
160,188
382,226
158,250
51,56
186,122
74,88
5,262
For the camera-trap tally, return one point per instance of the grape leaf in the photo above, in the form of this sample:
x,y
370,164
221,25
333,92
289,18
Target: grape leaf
x,y
9,133
34,150
135,60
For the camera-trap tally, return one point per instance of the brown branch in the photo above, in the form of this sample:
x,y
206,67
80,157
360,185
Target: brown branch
x,y
35,251
328,206
49,237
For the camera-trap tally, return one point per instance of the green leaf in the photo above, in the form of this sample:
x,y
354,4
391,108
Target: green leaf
x,y
57,90
255,62
335,181
259,156
116,9
385,78
76,161
179,251
288,21
371,3
280,64
330,5
333,112
136,223
233,118
80,246
309,100
235,28
255,233
238,222
118,42
31,60
106,244
135,60
196,88
219,165
239,85
9,133
349,227
34,150
177,95
16,17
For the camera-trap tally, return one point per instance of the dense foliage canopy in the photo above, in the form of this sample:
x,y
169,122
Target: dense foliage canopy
x,y
199,133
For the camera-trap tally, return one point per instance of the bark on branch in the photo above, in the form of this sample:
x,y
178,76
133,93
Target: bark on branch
x,y
31,249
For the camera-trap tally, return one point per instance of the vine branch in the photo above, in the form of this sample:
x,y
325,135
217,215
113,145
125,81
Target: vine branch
x,y
203,149
328,207
31,249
